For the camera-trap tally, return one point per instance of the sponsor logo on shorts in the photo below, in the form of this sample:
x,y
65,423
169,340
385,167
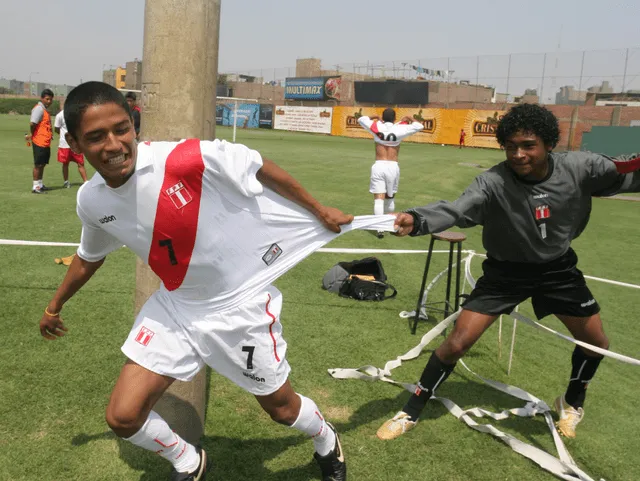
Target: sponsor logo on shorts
x,y
588,303
253,377
272,254
419,389
144,336
107,218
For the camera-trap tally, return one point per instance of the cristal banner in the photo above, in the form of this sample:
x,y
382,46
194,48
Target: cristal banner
x,y
441,126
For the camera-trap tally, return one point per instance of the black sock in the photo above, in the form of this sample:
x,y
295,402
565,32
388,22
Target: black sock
x,y
434,374
583,368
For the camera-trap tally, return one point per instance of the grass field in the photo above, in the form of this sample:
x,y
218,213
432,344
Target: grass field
x,y
53,394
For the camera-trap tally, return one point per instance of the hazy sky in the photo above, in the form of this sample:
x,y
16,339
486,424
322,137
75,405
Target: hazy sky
x,y
69,40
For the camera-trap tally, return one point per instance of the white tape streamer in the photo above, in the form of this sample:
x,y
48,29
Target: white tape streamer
x,y
562,466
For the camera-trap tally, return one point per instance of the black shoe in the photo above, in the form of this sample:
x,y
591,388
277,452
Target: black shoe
x,y
333,465
379,234
44,187
199,474
37,191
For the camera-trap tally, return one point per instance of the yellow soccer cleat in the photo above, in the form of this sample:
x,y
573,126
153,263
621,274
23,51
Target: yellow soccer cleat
x,y
396,426
569,417
64,260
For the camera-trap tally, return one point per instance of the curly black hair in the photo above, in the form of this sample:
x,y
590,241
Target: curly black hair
x,y
530,118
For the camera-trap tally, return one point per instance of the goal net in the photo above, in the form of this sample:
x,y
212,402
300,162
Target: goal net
x,y
237,113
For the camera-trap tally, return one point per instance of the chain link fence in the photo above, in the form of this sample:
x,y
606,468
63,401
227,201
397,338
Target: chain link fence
x,y
554,77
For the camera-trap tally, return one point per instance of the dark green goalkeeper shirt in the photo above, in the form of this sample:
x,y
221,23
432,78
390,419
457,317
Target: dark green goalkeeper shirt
x,y
532,221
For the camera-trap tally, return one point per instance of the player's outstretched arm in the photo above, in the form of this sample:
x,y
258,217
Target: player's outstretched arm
x,y
79,272
281,182
614,175
468,210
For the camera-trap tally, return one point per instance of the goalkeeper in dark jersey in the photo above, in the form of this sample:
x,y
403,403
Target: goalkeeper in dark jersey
x,y
531,207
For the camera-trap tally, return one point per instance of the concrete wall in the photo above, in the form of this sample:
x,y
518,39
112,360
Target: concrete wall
x,y
264,93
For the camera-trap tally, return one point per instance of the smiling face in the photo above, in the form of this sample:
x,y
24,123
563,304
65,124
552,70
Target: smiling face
x,y
106,137
527,155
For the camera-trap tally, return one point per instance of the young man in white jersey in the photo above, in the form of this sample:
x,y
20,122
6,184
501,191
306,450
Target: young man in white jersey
x,y
65,154
385,172
199,214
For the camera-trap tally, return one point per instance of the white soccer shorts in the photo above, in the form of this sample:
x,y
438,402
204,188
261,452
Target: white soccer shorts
x,y
385,175
244,344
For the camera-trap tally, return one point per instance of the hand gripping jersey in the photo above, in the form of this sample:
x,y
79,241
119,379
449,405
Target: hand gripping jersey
x,y
533,222
196,213
387,133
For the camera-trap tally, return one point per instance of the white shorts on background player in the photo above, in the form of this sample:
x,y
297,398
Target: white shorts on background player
x,y
244,344
385,176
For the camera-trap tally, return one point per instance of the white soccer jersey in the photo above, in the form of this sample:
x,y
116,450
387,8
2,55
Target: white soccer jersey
x,y
59,123
387,133
196,213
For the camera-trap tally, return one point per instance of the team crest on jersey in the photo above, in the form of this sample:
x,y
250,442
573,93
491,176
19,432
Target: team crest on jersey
x,y
179,195
144,336
272,254
543,212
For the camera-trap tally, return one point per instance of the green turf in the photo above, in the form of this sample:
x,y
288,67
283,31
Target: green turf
x,y
53,394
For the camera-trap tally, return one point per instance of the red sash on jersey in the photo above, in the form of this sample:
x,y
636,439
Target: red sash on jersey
x,y
176,223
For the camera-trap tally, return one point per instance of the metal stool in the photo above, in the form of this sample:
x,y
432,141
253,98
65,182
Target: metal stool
x,y
452,238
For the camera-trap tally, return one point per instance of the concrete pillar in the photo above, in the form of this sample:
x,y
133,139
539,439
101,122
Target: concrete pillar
x,y
572,127
615,116
180,58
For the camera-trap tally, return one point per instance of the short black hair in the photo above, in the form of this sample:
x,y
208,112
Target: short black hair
x,y
131,95
86,94
530,118
46,92
389,115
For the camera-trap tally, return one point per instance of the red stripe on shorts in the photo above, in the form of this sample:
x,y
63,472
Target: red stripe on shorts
x,y
273,321
176,223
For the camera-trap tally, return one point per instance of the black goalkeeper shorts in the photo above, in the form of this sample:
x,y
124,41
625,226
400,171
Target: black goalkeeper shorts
x,y
555,287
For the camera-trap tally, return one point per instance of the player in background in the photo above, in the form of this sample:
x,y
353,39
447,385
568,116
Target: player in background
x,y
135,112
65,154
531,207
463,134
40,138
385,172
218,224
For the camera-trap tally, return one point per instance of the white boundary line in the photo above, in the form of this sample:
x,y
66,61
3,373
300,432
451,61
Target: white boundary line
x,y
12,242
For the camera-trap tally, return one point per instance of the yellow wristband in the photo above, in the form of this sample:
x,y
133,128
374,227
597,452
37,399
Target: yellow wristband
x,y
46,311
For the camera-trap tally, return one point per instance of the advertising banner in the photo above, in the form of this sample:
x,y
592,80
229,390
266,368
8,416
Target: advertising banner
x,y
312,88
247,116
266,116
345,121
303,119
441,126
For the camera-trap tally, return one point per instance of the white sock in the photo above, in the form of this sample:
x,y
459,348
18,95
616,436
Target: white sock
x,y
389,205
36,184
311,422
40,183
156,435
378,206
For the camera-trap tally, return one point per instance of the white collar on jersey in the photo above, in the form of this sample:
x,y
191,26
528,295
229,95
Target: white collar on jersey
x,y
143,160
